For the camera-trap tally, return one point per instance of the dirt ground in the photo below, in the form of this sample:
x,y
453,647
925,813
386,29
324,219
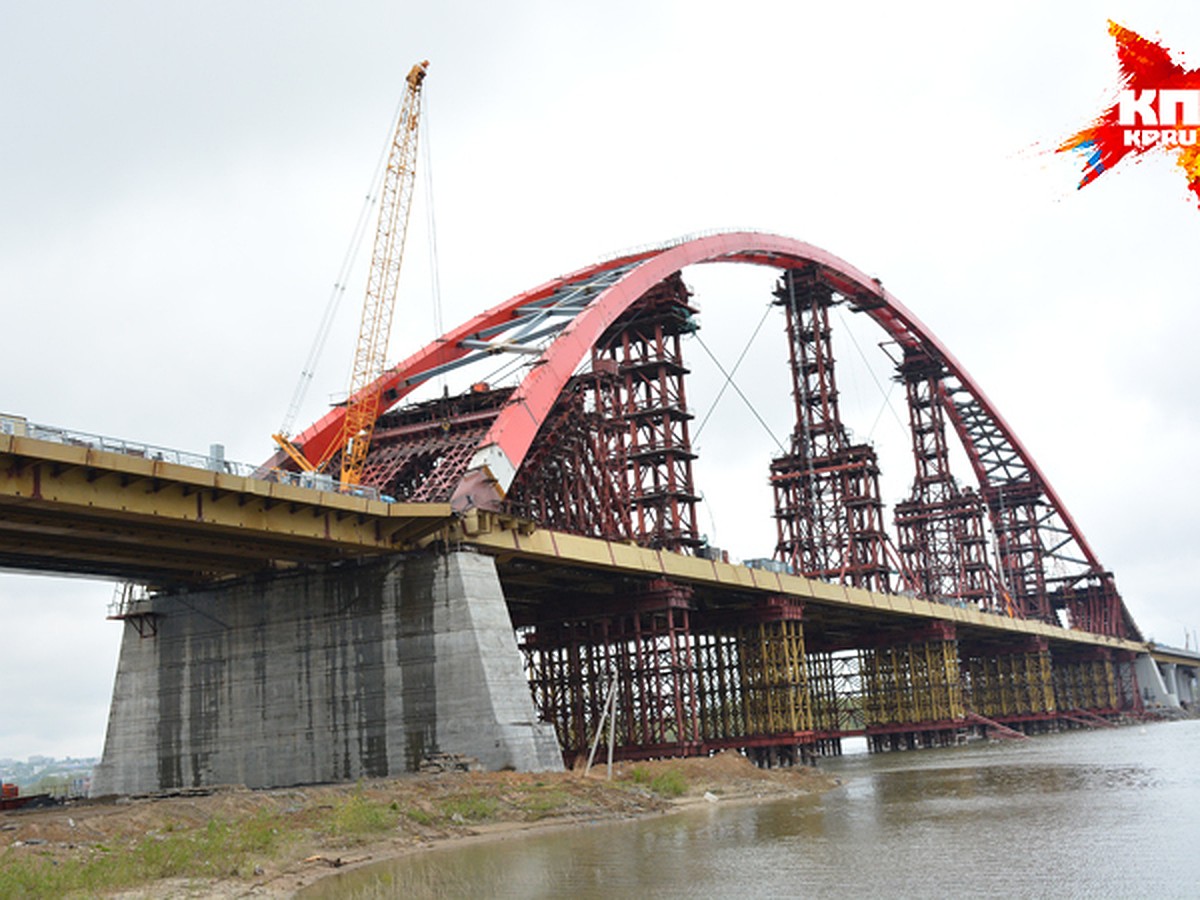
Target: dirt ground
x,y
81,828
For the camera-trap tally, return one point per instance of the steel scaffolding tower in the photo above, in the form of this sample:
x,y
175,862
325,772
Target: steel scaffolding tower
x,y
942,542
827,507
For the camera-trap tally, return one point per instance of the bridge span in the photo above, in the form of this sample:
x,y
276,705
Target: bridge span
x,y
523,566
680,621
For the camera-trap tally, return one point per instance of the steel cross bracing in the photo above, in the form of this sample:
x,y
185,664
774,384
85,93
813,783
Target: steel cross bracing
x,y
1043,565
526,333
1002,469
574,479
941,532
1037,548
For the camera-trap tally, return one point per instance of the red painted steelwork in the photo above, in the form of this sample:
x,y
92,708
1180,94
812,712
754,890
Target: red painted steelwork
x,y
940,526
401,380
645,349
1027,514
828,511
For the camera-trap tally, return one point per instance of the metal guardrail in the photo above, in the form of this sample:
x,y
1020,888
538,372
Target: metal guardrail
x,y
214,461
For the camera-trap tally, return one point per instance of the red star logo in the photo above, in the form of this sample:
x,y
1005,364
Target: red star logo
x,y
1158,108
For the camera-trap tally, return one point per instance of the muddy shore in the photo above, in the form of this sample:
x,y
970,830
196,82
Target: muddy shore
x,y
274,842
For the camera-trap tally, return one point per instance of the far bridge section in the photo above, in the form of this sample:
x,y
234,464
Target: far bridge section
x,y
708,655
1169,678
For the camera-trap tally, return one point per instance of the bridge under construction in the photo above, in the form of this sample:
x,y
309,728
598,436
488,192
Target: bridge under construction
x,y
517,574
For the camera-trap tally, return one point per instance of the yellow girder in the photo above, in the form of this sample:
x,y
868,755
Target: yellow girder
x,y
77,509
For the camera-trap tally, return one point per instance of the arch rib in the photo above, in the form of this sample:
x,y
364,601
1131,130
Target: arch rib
x,y
506,444
574,310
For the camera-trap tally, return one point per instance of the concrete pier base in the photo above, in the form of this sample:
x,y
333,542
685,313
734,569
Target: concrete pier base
x,y
1157,693
355,670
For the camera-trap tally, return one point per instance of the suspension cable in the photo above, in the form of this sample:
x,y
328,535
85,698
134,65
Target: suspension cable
x,y
338,291
434,269
729,380
887,395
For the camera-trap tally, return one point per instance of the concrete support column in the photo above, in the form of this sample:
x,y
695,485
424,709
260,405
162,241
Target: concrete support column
x,y
1186,678
321,675
1170,673
1155,692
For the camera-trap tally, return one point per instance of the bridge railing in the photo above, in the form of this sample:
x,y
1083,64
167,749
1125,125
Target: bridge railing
x,y
214,461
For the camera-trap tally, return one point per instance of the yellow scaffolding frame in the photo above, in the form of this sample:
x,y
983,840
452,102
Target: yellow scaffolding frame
x,y
911,683
774,677
1013,684
753,680
1085,684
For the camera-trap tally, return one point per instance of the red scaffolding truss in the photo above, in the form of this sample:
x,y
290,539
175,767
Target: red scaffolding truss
x,y
544,442
941,535
828,511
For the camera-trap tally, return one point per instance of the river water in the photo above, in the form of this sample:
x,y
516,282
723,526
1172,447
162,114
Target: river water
x,y
1107,813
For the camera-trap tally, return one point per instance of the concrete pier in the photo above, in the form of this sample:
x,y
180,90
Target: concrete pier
x,y
1168,685
353,670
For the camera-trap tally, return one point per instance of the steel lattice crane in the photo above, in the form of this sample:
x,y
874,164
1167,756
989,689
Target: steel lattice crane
x,y
362,404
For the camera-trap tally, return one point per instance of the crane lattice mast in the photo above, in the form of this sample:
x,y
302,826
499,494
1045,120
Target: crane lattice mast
x,y
362,404
380,301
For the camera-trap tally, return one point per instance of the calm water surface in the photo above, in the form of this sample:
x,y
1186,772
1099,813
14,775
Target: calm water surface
x,y
1111,813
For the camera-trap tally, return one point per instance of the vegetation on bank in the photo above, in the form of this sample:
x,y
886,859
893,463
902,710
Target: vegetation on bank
x,y
244,836
214,850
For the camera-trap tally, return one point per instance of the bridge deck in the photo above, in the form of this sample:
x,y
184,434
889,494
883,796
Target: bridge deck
x,y
554,560
76,509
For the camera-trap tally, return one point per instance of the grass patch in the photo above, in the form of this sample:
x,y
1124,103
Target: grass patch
x,y
358,816
214,850
670,783
419,816
667,783
470,807
541,803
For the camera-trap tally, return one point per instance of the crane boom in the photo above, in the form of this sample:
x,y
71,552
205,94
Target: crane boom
x,y
362,404
380,301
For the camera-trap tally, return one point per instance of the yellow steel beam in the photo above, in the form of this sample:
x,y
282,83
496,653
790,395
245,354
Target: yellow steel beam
x,y
509,538
77,509
1191,659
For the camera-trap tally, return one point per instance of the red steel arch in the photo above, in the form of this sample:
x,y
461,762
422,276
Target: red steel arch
x,y
597,295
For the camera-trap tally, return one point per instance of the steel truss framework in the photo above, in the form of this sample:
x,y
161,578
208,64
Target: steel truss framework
x,y
686,681
827,507
594,439
650,416
1044,568
942,541
691,680
836,690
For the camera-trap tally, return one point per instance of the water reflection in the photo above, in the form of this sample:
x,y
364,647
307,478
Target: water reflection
x,y
1098,814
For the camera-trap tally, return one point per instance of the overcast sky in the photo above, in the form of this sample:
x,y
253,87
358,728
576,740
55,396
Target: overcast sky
x,y
179,183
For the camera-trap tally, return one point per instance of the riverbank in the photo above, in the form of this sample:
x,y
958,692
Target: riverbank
x,y
235,842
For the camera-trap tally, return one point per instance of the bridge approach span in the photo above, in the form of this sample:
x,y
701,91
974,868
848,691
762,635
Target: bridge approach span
x,y
69,508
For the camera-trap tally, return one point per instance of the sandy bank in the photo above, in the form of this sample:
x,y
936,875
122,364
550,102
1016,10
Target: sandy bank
x,y
277,841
